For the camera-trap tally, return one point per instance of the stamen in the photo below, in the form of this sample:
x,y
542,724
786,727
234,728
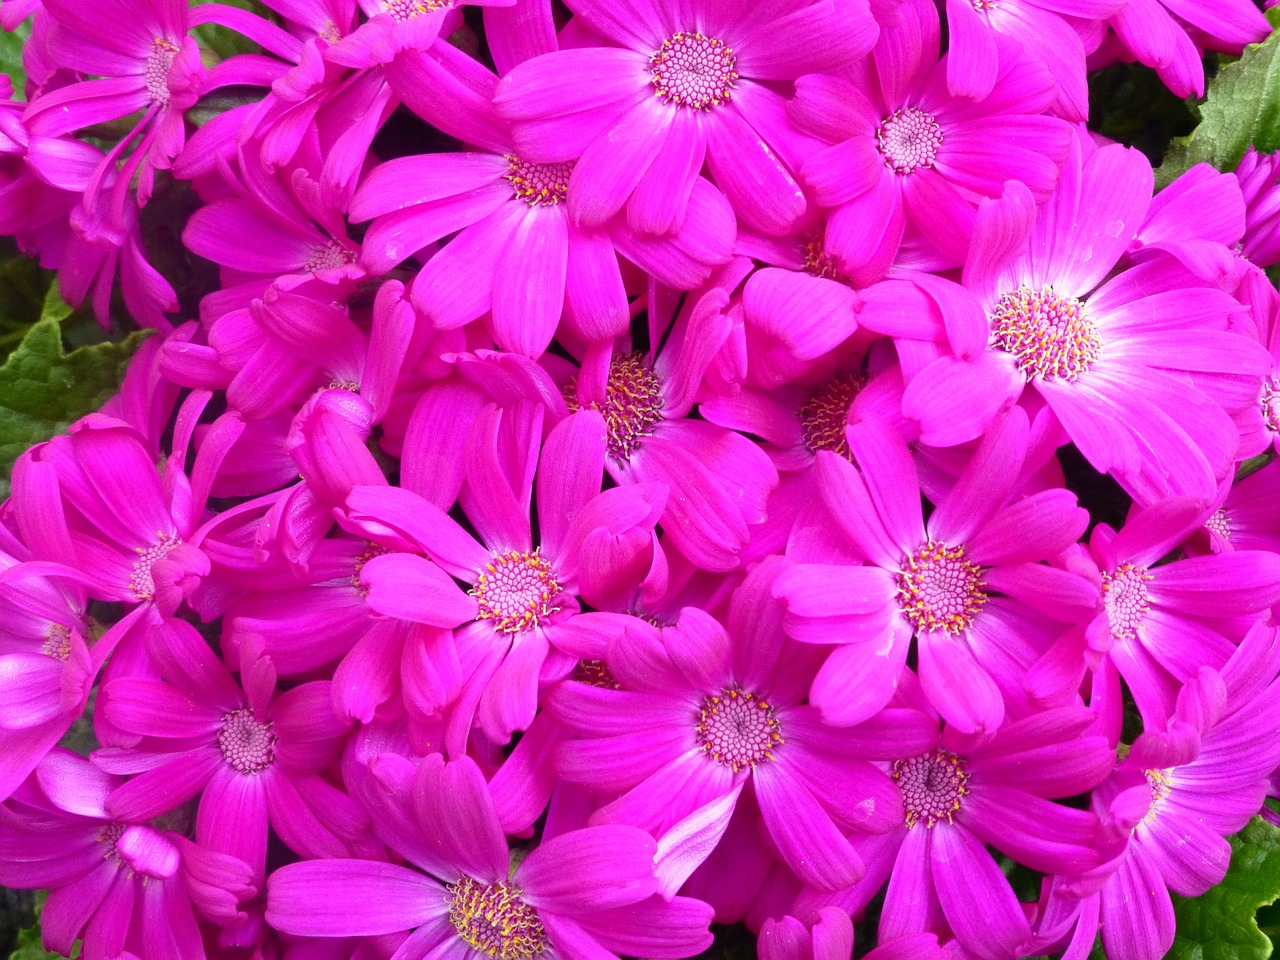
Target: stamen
x,y
819,263
327,256
1270,400
938,589
596,673
57,642
1159,781
825,414
632,404
932,785
908,139
737,729
109,836
517,590
1124,597
694,71
1051,336
405,10
538,184
1219,524
141,582
246,743
493,919
156,72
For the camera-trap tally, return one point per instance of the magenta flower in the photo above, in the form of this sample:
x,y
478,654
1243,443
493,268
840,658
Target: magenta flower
x,y
1176,796
704,713
1259,421
115,884
959,799
1043,307
1260,183
523,595
253,756
1161,622
907,150
584,892
1245,518
684,83
967,585
718,480
95,503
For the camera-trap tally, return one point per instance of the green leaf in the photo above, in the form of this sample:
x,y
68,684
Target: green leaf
x,y
218,39
1242,107
30,945
1253,465
43,389
1221,924
11,56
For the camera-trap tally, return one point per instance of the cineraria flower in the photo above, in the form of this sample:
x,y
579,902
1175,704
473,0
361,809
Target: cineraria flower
x,y
1041,27
117,886
686,82
523,595
957,799
1136,364
719,481
253,756
702,713
1243,516
1161,622
587,892
939,582
907,150
1259,176
1173,799
94,502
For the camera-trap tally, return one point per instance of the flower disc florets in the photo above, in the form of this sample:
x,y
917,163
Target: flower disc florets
x,y
939,589
1270,401
691,70
825,414
908,139
141,582
156,72
246,742
932,785
1124,597
404,10
632,404
538,184
737,729
1051,336
516,590
494,920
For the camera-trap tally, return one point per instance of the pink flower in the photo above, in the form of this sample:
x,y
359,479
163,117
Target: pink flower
x,y
582,890
684,83
906,149
1044,308
967,585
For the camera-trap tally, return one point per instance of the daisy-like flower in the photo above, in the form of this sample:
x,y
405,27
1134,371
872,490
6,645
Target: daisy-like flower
x,y
1136,364
906,149
117,886
1179,792
588,892
1259,176
254,756
967,585
703,714
685,83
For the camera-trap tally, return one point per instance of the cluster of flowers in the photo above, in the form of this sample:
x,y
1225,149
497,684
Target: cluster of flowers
x,y
648,508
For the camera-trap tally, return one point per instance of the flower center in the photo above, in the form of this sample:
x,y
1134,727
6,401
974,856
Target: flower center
x,y
596,673
246,743
404,10
632,404
141,581
516,590
819,263
824,415
370,551
538,184
57,642
932,785
109,836
1124,597
1159,782
1049,335
493,919
1271,404
908,138
327,256
737,729
938,589
982,6
1219,524
691,70
156,72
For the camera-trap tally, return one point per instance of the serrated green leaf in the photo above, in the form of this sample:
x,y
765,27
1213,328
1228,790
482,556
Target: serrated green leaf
x,y
1242,107
43,389
1221,924
30,944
